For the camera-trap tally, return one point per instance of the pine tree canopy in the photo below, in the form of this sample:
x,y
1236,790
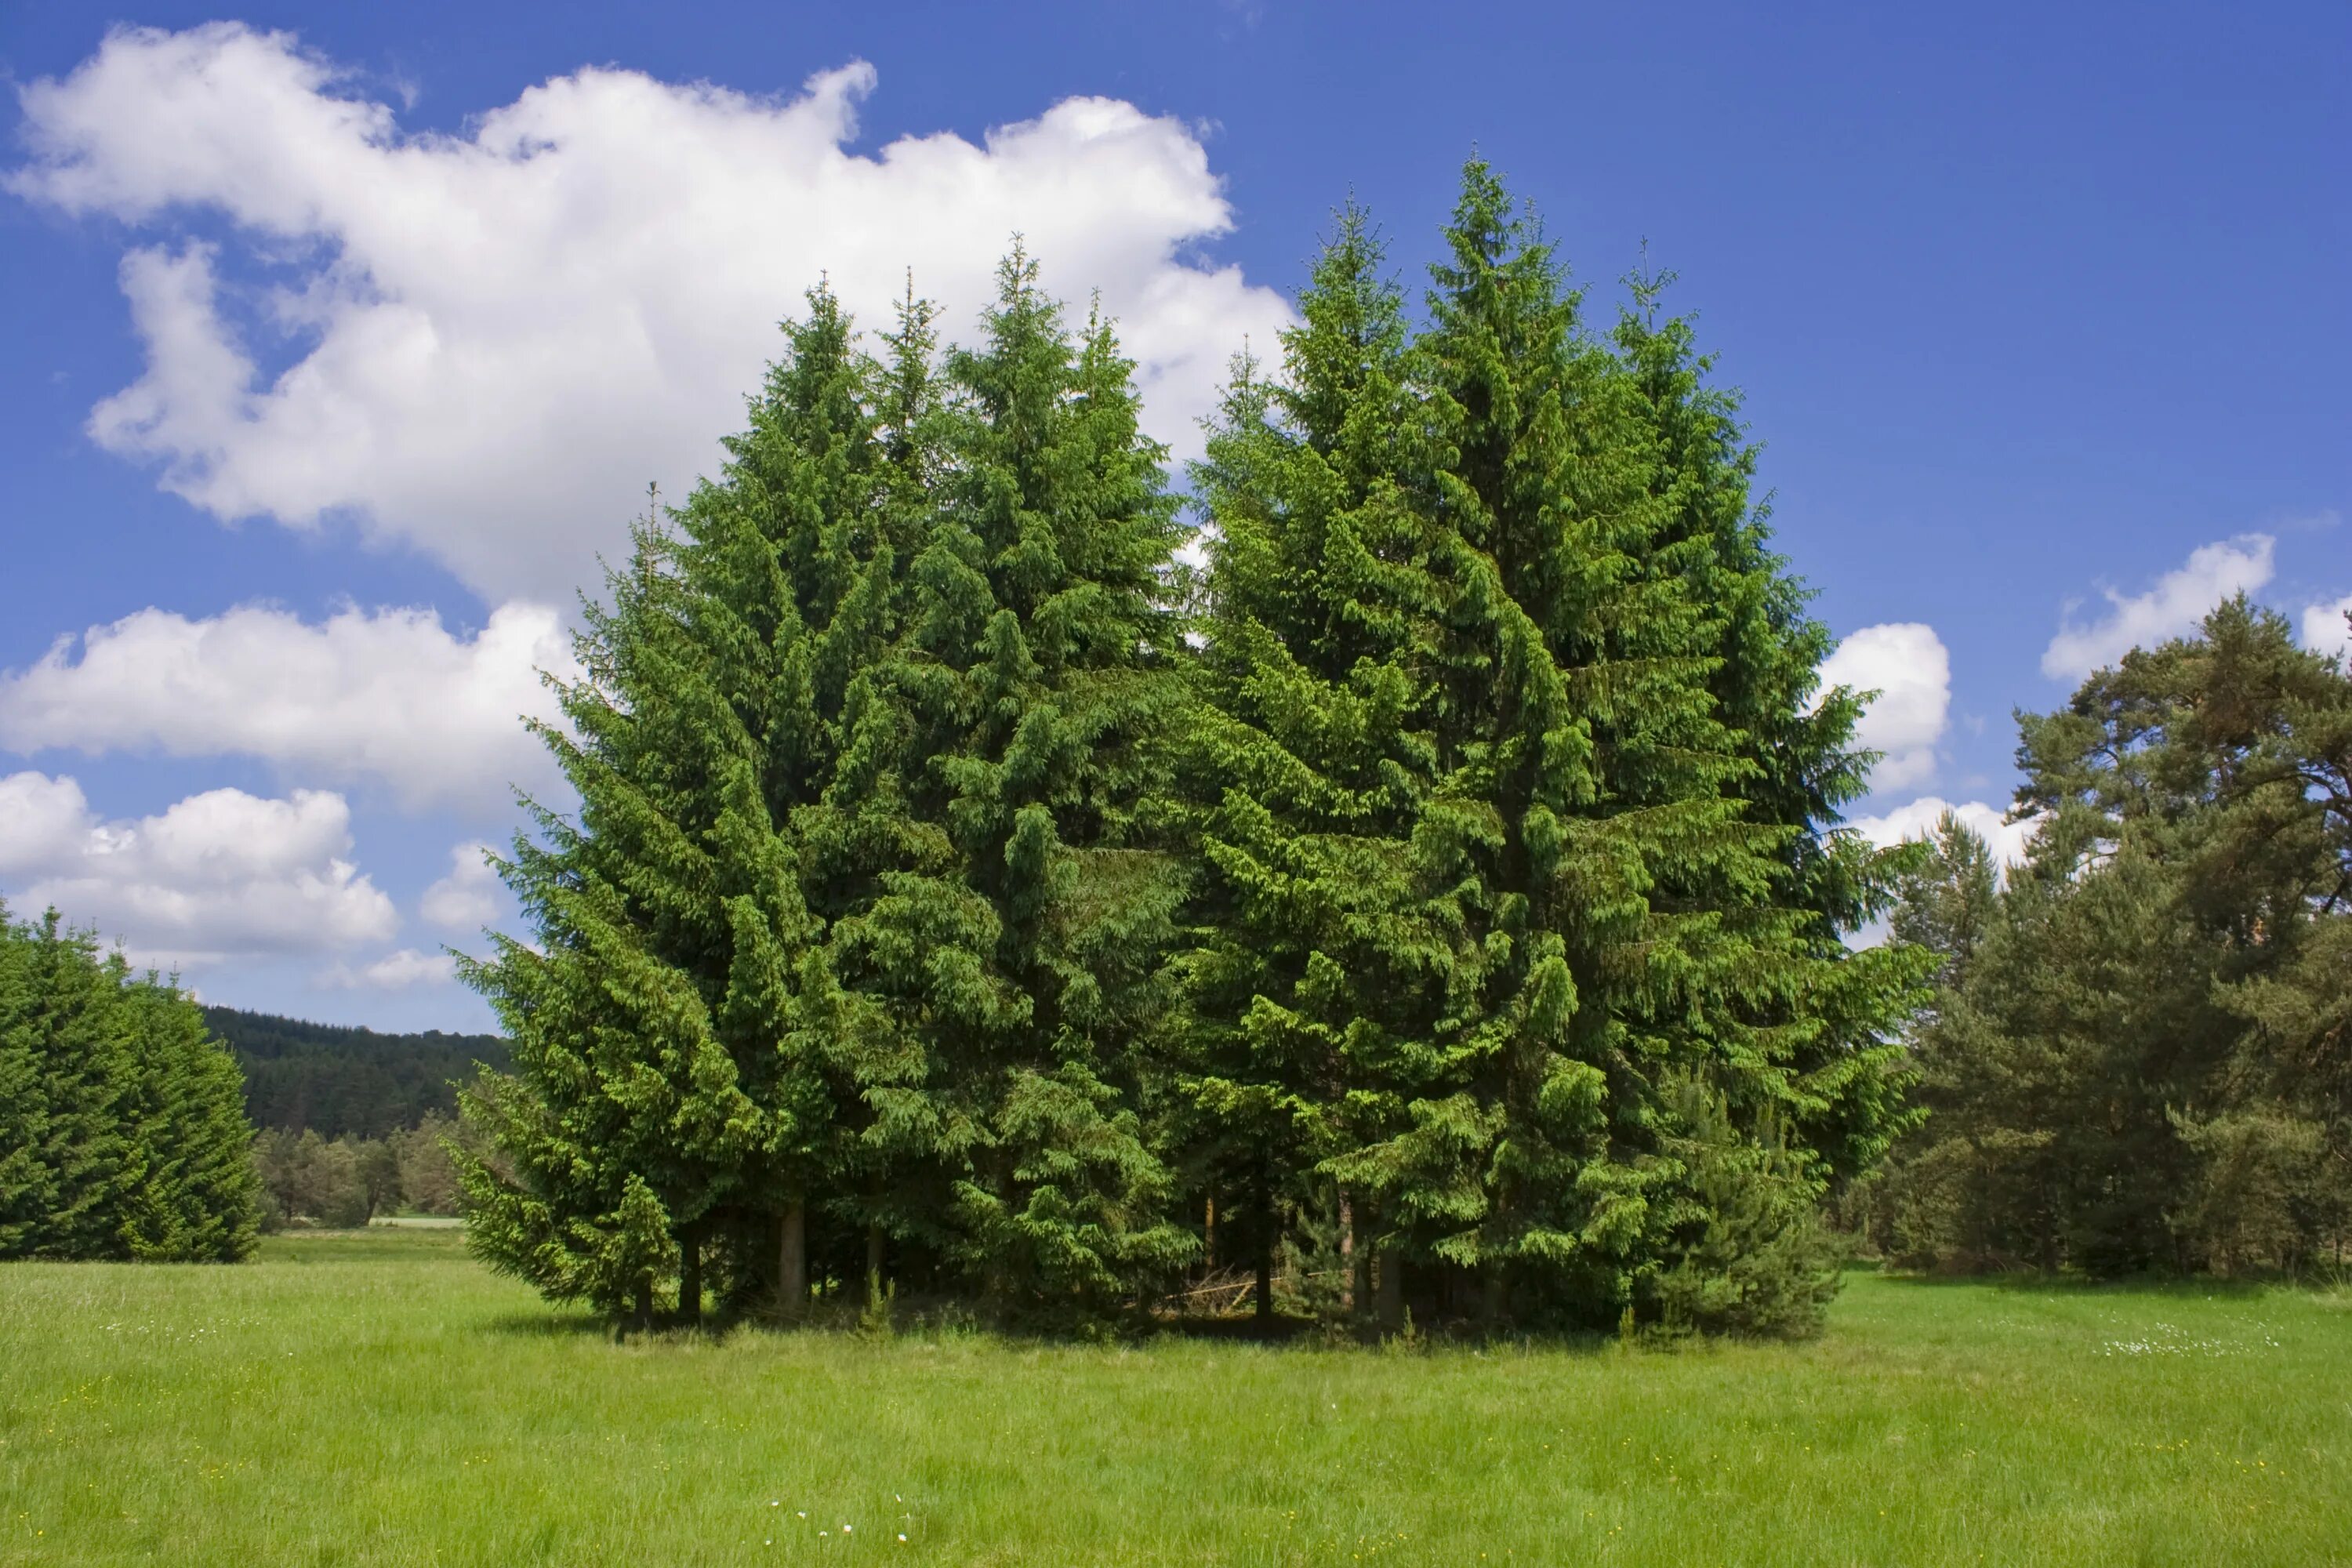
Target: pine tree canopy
x,y
1444,881
122,1129
1521,896
2140,1053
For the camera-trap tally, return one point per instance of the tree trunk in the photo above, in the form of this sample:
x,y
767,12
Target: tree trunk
x,y
689,1276
1265,1250
1356,1246
644,1314
792,1262
1391,1288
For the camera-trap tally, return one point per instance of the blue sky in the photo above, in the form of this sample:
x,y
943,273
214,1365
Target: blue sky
x,y
334,341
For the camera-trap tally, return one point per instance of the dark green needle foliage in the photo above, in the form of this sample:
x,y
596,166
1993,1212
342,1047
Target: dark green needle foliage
x,y
1441,890
672,1113
2137,1058
1009,960
847,947
1524,909
122,1129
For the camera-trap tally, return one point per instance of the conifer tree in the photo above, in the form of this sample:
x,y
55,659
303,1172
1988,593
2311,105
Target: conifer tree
x,y
28,1186
1008,967
123,1128
1318,973
1554,933
83,1064
193,1194
671,1113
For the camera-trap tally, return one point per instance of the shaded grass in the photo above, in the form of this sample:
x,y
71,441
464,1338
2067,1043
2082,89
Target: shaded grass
x,y
380,1399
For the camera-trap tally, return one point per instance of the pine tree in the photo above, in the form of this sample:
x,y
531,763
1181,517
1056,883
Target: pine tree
x,y
122,1129
1504,862
83,1052
1322,961
2139,1064
672,1112
195,1195
1009,966
28,1184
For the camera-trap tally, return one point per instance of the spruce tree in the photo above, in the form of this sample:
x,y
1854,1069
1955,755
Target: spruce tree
x,y
28,1184
194,1196
82,1051
1501,841
1008,966
123,1128
1321,965
672,1116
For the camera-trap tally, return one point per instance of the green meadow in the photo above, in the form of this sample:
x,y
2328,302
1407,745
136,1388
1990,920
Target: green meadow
x,y
378,1398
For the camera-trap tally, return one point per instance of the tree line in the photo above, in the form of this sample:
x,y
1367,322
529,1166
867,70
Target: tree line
x,y
2139,1050
1431,897
340,1082
346,1182
122,1129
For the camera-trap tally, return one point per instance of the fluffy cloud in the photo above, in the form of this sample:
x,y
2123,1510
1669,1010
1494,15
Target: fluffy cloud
x,y
497,338
1906,663
2008,841
470,897
393,971
2325,629
222,874
389,696
2170,609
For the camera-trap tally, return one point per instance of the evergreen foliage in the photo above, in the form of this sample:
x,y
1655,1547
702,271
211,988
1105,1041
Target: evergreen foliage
x,y
122,1129
2137,1058
1520,892
340,1082
863,904
669,1093
1453,900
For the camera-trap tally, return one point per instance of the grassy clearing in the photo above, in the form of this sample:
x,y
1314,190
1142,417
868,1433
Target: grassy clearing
x,y
379,1399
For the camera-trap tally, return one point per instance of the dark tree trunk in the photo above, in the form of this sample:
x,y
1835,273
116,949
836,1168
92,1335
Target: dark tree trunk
x,y
689,1276
1355,1245
644,1314
1391,1288
1266,1233
792,1262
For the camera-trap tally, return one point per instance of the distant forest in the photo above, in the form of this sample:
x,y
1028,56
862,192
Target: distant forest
x,y
335,1081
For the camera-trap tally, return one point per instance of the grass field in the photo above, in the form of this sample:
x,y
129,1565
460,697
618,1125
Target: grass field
x,y
380,1399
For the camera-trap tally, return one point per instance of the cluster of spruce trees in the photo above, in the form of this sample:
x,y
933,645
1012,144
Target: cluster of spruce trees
x,y
1437,889
122,1129
2139,1052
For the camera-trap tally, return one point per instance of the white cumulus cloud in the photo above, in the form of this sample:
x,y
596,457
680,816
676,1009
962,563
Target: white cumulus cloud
x,y
2008,841
1906,663
2324,629
470,896
218,875
497,338
2172,608
389,695
393,971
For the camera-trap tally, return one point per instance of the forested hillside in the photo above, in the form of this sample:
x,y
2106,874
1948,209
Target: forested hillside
x,y
336,1080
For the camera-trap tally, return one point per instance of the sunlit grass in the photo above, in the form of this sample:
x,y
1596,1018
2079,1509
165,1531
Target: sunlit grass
x,y
380,1399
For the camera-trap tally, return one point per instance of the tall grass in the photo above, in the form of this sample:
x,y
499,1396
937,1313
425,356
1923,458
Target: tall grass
x,y
379,1399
